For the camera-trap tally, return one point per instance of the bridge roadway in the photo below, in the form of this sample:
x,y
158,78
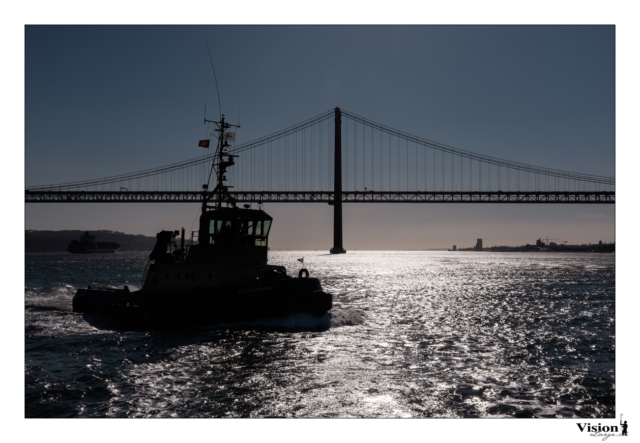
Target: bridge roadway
x,y
600,197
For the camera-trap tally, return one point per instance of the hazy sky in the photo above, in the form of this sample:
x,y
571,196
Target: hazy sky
x,y
108,100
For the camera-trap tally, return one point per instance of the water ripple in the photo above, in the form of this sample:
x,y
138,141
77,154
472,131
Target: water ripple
x,y
412,334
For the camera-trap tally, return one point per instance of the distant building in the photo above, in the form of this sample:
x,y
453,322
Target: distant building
x,y
478,245
540,243
454,248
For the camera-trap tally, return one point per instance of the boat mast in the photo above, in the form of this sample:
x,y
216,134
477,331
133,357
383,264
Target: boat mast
x,y
220,165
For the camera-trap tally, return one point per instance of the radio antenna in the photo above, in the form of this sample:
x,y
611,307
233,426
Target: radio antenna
x,y
214,76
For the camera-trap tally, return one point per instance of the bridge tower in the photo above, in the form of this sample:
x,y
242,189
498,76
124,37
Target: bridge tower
x,y
337,187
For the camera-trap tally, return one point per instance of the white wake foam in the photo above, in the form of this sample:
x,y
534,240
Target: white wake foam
x,y
346,317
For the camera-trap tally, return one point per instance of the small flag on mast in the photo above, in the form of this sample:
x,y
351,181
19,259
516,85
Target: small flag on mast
x,y
203,143
301,260
230,136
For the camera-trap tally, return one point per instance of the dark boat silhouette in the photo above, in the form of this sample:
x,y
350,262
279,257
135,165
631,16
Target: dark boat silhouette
x,y
220,275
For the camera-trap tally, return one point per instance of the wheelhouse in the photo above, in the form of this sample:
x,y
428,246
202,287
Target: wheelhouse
x,y
242,227
228,232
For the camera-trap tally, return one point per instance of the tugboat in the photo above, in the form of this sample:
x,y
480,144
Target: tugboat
x,y
86,245
220,275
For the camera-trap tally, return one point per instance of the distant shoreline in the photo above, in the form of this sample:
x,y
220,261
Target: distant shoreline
x,y
58,241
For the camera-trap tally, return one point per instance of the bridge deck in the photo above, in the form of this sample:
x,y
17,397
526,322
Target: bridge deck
x,y
322,197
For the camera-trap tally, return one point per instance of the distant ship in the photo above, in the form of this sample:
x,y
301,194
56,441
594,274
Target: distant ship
x,y
86,245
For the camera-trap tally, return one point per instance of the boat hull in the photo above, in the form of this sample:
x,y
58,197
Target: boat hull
x,y
147,309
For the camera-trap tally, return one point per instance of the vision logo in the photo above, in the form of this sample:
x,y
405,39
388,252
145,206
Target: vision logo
x,y
605,431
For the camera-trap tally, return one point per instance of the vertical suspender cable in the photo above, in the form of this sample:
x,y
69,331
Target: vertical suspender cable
x,y
416,142
321,146
312,162
425,168
346,145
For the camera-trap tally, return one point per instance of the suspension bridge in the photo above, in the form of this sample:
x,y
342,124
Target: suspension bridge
x,y
340,157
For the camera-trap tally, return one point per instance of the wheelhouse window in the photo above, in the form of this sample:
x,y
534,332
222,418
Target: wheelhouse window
x,y
246,227
227,228
266,224
214,228
239,231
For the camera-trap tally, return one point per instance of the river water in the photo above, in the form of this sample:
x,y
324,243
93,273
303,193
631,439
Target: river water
x,y
411,334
